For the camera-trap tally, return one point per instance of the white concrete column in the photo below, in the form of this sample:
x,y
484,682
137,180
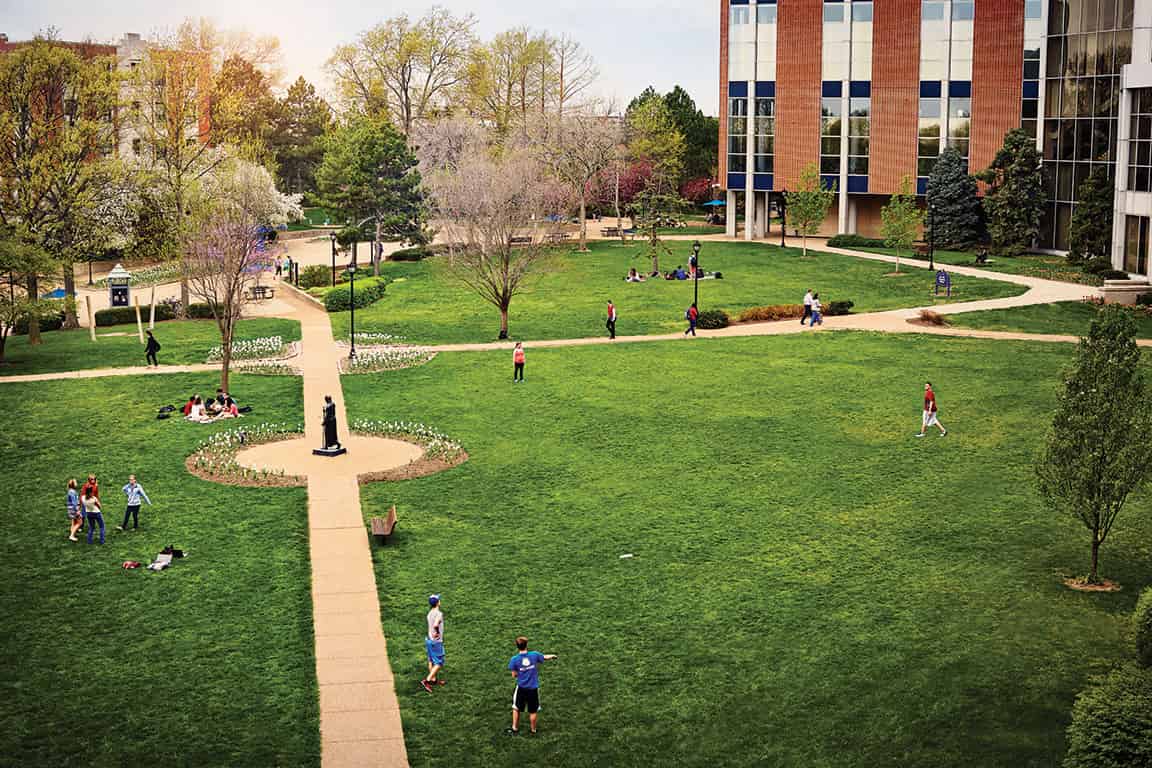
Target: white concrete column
x,y
1120,181
761,215
730,213
852,206
750,162
842,184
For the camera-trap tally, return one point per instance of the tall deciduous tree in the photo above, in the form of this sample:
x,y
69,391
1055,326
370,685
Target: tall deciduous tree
x,y
808,204
369,172
654,138
299,122
405,69
1090,236
900,220
18,258
954,218
1015,194
486,201
581,147
54,118
1098,453
242,108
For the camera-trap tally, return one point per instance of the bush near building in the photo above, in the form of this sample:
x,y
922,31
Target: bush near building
x,y
368,291
1142,628
1112,722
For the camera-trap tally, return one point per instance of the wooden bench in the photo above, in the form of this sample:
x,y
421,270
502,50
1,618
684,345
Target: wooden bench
x,y
556,237
514,241
609,232
382,527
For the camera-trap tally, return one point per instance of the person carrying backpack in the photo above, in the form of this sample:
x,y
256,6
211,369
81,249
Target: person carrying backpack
x,y
690,315
151,349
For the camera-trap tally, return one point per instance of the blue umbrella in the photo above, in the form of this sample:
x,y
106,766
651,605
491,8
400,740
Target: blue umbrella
x,y
56,294
715,202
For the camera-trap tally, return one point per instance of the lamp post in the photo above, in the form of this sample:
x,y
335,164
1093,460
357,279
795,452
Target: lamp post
x,y
352,301
90,271
783,214
696,274
333,236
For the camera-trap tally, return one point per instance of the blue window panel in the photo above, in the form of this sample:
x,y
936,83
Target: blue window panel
x,y
860,89
738,2
857,183
830,89
736,181
922,186
929,89
1031,89
767,2
762,182
830,181
766,88
738,89
960,89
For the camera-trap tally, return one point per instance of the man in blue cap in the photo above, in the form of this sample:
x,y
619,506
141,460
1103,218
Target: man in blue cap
x,y
524,666
434,643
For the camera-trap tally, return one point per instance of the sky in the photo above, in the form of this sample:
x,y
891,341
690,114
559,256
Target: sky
x,y
636,43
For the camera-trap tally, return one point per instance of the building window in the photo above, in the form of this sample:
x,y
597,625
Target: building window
x,y
959,124
934,32
1136,245
859,130
861,66
739,15
929,146
765,133
861,11
836,44
963,10
1140,142
833,12
765,14
738,135
830,117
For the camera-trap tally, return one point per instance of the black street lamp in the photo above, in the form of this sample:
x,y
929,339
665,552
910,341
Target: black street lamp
x,y
696,274
783,215
352,301
333,236
90,271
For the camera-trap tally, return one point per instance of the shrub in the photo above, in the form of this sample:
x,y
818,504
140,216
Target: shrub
x,y
50,320
712,318
418,253
1096,266
315,276
839,308
929,317
772,312
1144,300
200,312
854,241
127,315
1113,274
1142,621
1112,722
369,290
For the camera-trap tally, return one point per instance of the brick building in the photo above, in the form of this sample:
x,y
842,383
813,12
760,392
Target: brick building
x,y
873,90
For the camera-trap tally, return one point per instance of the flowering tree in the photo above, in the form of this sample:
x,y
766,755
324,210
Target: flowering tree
x,y
491,208
580,148
226,250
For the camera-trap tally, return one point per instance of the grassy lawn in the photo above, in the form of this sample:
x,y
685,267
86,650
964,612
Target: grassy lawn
x,y
1070,317
811,585
1040,265
182,342
427,304
313,217
207,664
692,229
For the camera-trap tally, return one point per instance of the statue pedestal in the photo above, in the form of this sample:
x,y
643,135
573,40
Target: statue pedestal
x,y
338,450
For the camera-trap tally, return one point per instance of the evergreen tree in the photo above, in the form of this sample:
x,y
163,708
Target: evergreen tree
x,y
1090,236
1015,194
299,121
954,217
701,134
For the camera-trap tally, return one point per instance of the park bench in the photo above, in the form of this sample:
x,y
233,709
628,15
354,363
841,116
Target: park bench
x,y
556,237
514,241
609,232
382,527
260,292
922,249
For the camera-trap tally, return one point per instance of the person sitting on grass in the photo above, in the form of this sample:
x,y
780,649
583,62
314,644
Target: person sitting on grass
x,y
188,405
230,411
197,413
680,273
634,277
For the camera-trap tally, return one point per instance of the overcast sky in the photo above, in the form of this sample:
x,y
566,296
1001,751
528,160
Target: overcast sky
x,y
635,42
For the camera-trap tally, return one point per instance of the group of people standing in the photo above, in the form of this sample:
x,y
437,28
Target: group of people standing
x,y
813,309
84,507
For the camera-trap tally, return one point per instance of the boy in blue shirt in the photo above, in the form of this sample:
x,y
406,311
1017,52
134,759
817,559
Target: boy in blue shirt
x,y
523,667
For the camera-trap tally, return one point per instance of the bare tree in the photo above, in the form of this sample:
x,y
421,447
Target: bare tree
x,y
574,69
578,150
226,251
492,210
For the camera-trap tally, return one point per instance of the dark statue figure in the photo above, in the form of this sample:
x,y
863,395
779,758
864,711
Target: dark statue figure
x,y
330,438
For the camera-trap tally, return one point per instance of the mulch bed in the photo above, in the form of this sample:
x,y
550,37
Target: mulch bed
x,y
422,467
1082,586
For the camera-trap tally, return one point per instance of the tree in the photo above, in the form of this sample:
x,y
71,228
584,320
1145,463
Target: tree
x,y
242,104
368,172
507,78
226,251
1097,454
584,146
654,137
299,122
701,134
18,258
403,69
652,210
484,202
954,217
1015,194
901,220
808,204
574,71
1090,235
54,108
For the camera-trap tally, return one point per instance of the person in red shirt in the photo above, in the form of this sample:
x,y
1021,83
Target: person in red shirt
x,y
930,413
691,316
611,324
518,362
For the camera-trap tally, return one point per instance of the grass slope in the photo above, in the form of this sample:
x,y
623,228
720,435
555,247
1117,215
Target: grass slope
x,y
811,585
428,305
181,341
207,664
1043,265
1069,317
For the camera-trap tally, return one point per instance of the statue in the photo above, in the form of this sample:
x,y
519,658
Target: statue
x,y
331,445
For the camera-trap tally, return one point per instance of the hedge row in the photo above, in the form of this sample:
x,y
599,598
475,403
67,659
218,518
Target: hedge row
x,y
316,276
126,315
854,241
1112,722
772,312
369,290
52,321
712,318
418,253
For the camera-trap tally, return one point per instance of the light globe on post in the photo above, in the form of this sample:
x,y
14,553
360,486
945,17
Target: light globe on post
x,y
696,274
352,303
334,249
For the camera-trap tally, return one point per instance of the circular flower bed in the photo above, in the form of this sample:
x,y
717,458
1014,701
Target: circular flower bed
x,y
440,451
252,349
386,359
215,458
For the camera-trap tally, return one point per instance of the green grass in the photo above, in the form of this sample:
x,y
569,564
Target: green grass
x,y
427,304
313,217
811,586
1067,317
693,229
182,342
207,664
1046,266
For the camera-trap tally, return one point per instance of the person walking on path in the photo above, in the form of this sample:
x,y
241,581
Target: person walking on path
x,y
611,324
518,362
807,306
524,667
92,511
817,317
75,516
930,415
134,493
151,349
690,315
434,644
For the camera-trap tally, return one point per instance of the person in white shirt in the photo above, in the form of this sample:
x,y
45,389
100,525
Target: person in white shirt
x,y
817,318
807,306
434,643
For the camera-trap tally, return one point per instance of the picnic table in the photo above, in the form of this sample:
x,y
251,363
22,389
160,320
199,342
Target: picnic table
x,y
261,292
556,237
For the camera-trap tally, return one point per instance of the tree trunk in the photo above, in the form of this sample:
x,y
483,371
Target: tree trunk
x,y
583,224
376,251
70,319
503,322
804,244
33,320
185,297
1092,576
3,343
225,361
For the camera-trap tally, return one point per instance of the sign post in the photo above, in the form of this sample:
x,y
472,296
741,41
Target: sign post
x,y
944,280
